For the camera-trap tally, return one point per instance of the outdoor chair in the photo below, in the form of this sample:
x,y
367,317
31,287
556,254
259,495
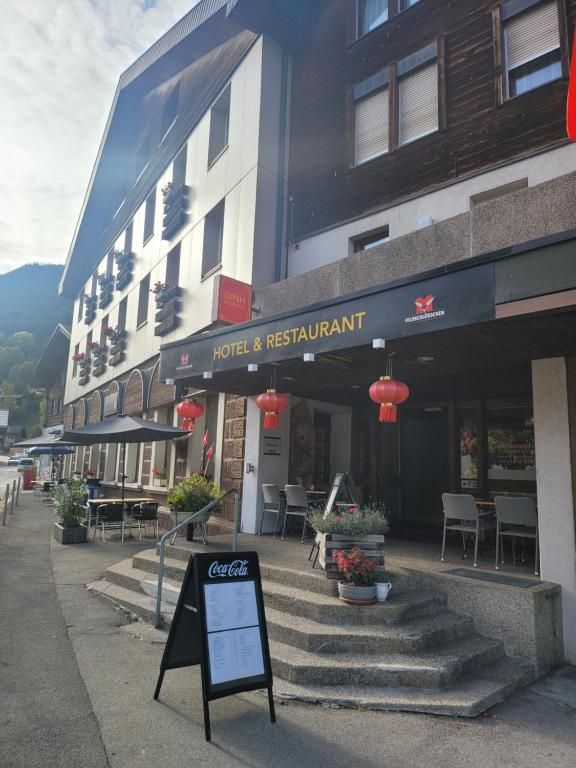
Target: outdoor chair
x,y
296,504
143,515
462,510
516,518
46,493
272,504
109,517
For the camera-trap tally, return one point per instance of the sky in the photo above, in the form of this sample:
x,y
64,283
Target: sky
x,y
60,61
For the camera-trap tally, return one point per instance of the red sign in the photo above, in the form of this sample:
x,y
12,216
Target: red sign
x,y
424,305
571,104
232,300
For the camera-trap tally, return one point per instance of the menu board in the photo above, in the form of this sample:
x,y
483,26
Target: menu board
x,y
219,624
234,642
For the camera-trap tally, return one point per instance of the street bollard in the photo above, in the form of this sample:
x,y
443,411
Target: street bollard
x,y
5,510
18,489
13,497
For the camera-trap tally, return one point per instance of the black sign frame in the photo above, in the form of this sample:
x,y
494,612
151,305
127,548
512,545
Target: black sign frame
x,y
187,643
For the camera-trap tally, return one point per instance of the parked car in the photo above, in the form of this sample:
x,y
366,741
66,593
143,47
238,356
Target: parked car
x,y
26,463
15,460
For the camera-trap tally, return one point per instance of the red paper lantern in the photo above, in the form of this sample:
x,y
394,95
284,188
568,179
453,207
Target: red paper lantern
x,y
272,403
189,410
389,393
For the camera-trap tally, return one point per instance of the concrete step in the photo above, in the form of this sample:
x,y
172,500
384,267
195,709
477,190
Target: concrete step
x,y
428,669
327,609
135,602
469,696
409,637
125,575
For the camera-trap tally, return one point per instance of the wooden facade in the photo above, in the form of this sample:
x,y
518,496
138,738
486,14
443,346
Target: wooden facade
x,y
479,129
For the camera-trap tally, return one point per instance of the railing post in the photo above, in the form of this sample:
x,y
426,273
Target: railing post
x,y
158,620
5,510
235,529
18,489
13,497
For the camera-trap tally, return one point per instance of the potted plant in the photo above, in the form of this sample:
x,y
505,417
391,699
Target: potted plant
x,y
358,587
383,586
191,495
70,500
160,476
347,527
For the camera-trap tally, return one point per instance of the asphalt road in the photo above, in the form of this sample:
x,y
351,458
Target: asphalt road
x,y
76,685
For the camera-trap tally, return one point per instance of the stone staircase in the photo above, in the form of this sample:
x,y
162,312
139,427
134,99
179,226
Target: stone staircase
x,y
410,653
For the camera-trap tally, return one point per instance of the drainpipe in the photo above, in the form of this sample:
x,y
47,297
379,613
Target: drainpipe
x,y
280,273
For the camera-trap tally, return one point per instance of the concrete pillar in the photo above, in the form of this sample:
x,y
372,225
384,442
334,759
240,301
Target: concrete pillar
x,y
555,487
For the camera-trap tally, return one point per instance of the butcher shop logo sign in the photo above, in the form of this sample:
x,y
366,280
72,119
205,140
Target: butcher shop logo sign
x,y
424,310
228,570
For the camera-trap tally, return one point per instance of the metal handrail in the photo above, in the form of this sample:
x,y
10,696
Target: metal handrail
x,y
174,531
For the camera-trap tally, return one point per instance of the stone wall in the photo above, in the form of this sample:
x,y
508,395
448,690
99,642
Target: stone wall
x,y
233,448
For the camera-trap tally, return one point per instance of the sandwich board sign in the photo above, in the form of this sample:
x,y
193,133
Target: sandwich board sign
x,y
219,624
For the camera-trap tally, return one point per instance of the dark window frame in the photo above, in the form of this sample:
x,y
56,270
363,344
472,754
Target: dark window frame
x,y
361,243
122,312
170,112
390,77
173,266
140,168
509,10
216,148
394,9
149,216
211,236
143,302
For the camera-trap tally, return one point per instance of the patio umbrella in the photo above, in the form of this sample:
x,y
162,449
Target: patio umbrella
x,y
52,451
123,429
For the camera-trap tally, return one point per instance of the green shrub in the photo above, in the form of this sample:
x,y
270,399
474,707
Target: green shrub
x,y
362,520
193,494
70,498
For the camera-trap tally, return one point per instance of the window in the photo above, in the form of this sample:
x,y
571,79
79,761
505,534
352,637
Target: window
x,y
418,112
128,237
219,120
110,263
179,169
213,231
74,359
365,242
122,307
103,328
80,306
142,158
173,266
143,296
403,5
88,342
371,14
94,287
532,51
149,213
170,111
371,121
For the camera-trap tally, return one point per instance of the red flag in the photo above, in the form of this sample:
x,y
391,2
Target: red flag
x,y
210,452
205,439
571,103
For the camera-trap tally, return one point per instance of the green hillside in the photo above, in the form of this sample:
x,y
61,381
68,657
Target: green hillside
x,y
30,309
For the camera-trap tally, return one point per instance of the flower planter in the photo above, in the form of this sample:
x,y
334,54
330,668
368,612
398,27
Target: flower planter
x,y
161,482
76,535
356,594
372,546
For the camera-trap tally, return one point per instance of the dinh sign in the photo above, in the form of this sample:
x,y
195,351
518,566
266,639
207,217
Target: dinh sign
x,y
220,625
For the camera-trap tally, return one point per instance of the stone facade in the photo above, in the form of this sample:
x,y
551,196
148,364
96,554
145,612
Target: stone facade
x,y
233,447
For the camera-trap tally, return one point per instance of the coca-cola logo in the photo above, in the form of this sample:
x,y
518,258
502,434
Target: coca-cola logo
x,y
228,570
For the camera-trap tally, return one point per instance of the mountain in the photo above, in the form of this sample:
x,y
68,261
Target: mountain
x,y
29,301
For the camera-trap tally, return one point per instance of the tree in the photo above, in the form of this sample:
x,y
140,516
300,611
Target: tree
x,y
22,375
9,357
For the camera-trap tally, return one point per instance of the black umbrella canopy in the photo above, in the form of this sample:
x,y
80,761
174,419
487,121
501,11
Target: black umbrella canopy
x,y
123,429
43,441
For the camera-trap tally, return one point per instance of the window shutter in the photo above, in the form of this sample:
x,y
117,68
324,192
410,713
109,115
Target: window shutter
x,y
371,128
418,98
532,35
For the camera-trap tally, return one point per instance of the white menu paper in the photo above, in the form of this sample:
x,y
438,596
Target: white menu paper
x,y
234,642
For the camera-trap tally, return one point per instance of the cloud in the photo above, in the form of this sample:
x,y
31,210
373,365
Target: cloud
x,y
60,62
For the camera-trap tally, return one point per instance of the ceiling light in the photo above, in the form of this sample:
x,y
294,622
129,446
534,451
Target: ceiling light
x,y
424,359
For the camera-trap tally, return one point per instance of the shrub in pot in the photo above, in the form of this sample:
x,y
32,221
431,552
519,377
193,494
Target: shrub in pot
x,y
70,507
191,495
357,587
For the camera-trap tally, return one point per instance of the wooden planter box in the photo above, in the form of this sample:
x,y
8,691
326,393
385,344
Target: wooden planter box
x,y
372,546
76,535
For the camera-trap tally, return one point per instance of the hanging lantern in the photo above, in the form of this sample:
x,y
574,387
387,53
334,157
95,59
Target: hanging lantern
x,y
389,393
272,403
189,410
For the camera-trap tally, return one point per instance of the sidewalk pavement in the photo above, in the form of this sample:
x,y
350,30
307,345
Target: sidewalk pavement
x,y
80,679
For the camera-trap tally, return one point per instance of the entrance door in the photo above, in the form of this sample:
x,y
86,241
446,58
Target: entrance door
x,y
424,469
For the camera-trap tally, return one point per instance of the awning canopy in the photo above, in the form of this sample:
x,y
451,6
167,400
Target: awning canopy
x,y
43,441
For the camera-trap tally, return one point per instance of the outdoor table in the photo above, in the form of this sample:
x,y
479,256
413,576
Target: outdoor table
x,y
94,503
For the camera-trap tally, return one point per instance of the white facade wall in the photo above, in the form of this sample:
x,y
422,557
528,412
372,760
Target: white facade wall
x,y
249,162
402,219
